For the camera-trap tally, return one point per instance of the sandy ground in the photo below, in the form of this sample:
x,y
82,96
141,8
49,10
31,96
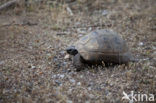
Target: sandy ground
x,y
33,67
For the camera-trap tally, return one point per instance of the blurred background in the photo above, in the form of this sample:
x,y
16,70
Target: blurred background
x,y
34,67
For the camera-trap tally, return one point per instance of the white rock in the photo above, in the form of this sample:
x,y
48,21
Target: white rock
x,y
89,88
33,67
72,80
141,44
62,76
53,76
80,35
49,47
79,30
70,91
79,83
67,56
2,62
69,101
91,96
87,102
81,76
104,12
90,28
48,54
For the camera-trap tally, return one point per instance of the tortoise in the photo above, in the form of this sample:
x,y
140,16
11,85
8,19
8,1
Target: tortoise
x,y
99,46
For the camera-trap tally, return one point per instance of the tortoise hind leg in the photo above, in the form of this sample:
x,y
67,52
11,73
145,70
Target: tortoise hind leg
x,y
77,62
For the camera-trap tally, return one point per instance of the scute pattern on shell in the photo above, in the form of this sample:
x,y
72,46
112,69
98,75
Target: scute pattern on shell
x,y
102,43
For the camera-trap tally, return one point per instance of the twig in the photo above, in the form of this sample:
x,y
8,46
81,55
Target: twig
x,y
95,25
70,11
9,3
18,24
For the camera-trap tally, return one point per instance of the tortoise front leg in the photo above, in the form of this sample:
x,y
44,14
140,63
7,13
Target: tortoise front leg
x,y
77,62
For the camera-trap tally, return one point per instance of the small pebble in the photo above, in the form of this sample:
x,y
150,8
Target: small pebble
x,y
104,12
141,44
69,101
70,91
90,28
49,54
49,47
79,83
58,82
91,96
2,62
53,76
62,52
33,67
87,102
66,56
81,76
80,35
79,30
89,88
62,76
72,80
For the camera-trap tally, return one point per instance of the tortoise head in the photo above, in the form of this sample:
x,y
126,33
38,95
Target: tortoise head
x,y
72,50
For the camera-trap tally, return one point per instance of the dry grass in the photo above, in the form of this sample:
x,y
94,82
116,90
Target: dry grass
x,y
32,64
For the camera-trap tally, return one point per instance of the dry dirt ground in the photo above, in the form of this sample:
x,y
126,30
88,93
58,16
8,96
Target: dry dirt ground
x,y
33,67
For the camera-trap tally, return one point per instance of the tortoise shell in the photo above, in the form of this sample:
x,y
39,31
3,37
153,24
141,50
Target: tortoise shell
x,y
103,45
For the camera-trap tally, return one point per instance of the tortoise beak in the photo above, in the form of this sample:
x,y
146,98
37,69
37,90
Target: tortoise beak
x,y
71,50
